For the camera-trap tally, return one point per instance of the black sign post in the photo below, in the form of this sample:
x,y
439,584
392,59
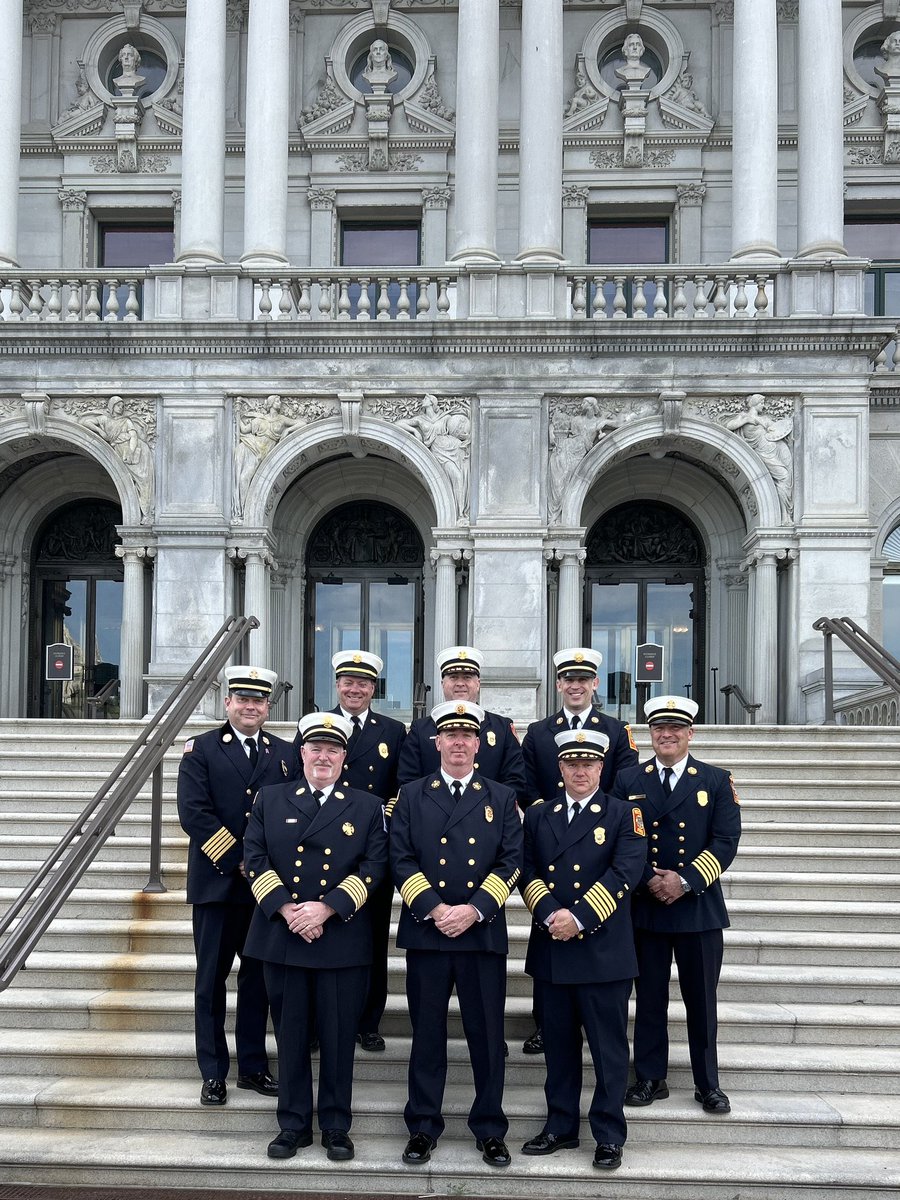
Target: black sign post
x,y
59,662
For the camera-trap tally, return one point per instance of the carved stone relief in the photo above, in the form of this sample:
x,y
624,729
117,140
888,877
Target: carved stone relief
x,y
445,428
259,425
771,436
130,429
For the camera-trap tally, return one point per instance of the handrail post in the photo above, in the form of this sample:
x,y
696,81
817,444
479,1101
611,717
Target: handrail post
x,y
829,680
155,883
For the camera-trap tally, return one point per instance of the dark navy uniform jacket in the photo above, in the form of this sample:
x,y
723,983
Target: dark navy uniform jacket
x,y
540,753
468,852
499,753
694,831
589,867
216,785
295,850
371,763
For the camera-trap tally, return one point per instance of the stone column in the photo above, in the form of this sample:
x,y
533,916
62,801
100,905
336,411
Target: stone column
x,y
11,29
540,132
44,29
203,135
754,168
131,654
569,622
477,131
267,124
444,562
765,638
257,562
735,665
820,131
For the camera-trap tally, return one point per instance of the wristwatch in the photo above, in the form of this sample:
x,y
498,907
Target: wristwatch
x,y
685,886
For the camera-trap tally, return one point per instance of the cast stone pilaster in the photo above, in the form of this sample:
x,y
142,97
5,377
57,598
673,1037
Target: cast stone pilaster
x,y
258,561
11,29
541,107
477,131
202,229
569,617
131,664
267,124
444,561
754,193
820,131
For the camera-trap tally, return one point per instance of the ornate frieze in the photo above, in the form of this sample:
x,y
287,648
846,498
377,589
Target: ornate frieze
x,y
130,429
144,164
768,430
613,159
395,162
259,425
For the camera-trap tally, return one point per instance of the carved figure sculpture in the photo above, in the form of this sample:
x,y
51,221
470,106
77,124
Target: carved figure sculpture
x,y
259,432
583,96
379,70
890,48
85,98
770,438
634,72
571,436
130,59
448,436
682,93
129,440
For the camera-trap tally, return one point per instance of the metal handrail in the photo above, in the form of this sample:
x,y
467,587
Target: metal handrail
x,y
31,914
104,696
732,689
871,653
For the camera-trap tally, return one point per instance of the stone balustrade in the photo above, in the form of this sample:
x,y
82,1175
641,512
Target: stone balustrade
x,y
670,293
72,295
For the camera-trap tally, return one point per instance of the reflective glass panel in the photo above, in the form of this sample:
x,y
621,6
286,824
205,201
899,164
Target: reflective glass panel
x,y
391,634
337,628
669,624
614,632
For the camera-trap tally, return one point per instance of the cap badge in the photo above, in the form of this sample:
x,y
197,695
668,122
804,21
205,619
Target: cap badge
x,y
253,673
462,655
599,835
670,704
578,656
383,750
488,813
327,723
357,658
461,709
579,737
348,829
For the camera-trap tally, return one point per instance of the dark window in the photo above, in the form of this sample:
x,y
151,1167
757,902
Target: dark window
x,y
632,243
891,595
878,238
382,244
136,245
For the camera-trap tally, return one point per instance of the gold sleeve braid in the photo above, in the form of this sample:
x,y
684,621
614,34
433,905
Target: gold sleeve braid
x,y
497,889
601,901
219,844
266,883
708,866
414,886
534,893
355,889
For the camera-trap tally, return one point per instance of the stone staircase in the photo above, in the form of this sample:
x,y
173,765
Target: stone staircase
x,y
98,1083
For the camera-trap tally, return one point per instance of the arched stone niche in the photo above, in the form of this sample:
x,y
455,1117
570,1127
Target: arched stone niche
x,y
356,37
104,44
658,34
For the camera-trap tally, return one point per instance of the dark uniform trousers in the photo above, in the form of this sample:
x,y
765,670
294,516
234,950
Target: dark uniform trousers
x,y
468,852
693,830
216,783
337,853
371,766
588,866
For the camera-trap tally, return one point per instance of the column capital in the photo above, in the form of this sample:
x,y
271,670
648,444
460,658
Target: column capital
x,y
575,196
321,199
132,552
690,195
436,197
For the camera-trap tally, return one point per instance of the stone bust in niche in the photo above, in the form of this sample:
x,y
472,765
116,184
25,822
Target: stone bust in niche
x,y
890,48
634,72
130,60
379,70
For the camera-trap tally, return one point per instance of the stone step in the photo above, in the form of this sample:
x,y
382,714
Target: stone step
x,y
859,835
832,887
744,1066
823,916
815,814
650,1170
824,859
768,1119
26,1007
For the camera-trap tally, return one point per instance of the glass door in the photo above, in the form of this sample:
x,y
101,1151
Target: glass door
x,y
86,614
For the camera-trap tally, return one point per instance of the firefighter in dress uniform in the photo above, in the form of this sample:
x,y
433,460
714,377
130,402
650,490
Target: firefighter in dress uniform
x,y
314,853
584,853
693,820
456,853
218,775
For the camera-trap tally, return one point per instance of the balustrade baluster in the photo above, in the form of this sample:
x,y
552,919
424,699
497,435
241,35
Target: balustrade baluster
x,y
700,297
35,300
598,304
265,300
285,302
443,300
2,305
660,304
132,304
16,305
112,300
881,359
761,303
679,301
364,307
54,304
73,308
383,306
423,299
640,300
92,308
403,304
620,304
343,304
740,300
325,299
720,298
579,297
304,304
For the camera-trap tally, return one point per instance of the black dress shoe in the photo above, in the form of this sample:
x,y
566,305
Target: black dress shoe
x,y
645,1091
288,1142
259,1081
494,1151
418,1149
213,1091
534,1044
337,1144
713,1101
373,1042
608,1156
547,1143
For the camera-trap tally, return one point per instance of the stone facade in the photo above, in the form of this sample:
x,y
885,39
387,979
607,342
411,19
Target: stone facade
x,y
502,392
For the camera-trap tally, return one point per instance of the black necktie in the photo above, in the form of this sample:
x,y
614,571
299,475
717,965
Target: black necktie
x,y
252,751
668,772
574,811
317,796
457,790
575,722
